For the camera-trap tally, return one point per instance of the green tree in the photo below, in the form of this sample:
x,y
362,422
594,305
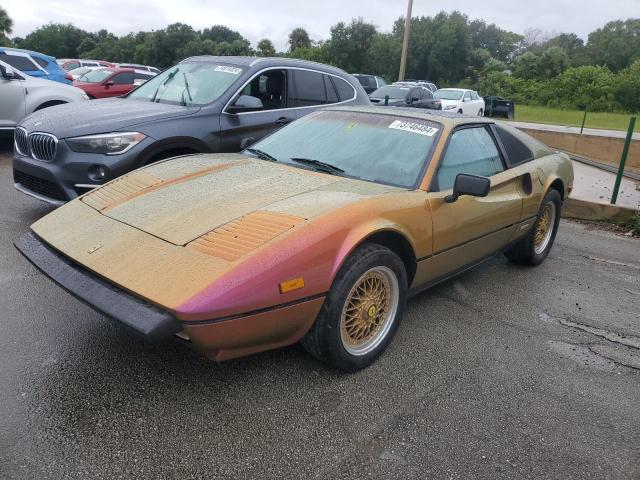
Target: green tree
x,y
553,62
299,38
528,66
6,27
627,88
265,48
500,44
55,39
349,44
615,45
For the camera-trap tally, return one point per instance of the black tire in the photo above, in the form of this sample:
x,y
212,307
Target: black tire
x,y
460,111
480,113
324,340
524,252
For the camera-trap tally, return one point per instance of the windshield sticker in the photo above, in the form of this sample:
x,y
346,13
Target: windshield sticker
x,y
414,128
233,70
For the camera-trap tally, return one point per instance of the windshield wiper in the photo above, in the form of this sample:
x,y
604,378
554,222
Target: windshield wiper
x,y
320,166
168,79
187,89
262,155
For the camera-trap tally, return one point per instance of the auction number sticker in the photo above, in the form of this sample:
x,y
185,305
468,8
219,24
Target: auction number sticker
x,y
414,128
233,70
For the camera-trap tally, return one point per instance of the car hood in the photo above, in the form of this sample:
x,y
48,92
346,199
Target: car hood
x,y
183,199
100,116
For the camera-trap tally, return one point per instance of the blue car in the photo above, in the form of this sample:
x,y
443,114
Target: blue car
x,y
34,64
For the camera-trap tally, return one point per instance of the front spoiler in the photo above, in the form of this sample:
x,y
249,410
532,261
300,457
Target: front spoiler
x,y
144,318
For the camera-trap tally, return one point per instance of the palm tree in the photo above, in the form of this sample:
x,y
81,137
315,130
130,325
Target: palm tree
x,y
6,24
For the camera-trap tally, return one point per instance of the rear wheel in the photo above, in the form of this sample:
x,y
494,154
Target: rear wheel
x,y
534,248
362,310
480,112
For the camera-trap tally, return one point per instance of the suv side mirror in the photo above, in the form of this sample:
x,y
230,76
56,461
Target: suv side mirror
x,y
245,103
108,84
466,184
6,74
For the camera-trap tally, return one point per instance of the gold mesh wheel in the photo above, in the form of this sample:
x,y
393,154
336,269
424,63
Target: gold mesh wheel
x,y
544,228
369,310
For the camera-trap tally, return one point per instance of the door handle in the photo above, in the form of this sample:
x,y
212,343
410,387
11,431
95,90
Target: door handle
x,y
282,121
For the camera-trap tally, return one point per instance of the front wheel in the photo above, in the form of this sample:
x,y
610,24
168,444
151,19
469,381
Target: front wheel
x,y
362,310
480,112
536,245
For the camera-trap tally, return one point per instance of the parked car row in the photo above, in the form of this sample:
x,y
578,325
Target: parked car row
x,y
34,64
317,233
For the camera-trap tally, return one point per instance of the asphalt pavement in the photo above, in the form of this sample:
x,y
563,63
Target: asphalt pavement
x,y
505,372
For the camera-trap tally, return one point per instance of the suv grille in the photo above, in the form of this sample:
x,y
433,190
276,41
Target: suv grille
x,y
22,143
41,146
38,185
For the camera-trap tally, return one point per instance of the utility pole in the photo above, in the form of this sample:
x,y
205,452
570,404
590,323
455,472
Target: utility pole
x,y
405,42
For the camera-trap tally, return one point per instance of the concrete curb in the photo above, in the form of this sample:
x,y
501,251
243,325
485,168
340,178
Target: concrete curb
x,y
586,210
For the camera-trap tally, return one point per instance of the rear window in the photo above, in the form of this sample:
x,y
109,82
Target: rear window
x,y
517,151
19,62
41,61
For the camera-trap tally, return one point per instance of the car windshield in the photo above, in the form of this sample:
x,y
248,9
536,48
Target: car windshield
x,y
393,92
379,148
96,76
448,94
188,83
80,71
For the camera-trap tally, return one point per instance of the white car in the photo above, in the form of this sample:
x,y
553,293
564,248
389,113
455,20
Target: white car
x,y
21,95
80,71
461,100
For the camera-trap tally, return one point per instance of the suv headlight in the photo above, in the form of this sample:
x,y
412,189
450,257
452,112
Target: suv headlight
x,y
107,143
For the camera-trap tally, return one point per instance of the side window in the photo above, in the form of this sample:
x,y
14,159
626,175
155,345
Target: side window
x,y
332,96
90,64
72,66
467,96
414,94
470,150
270,87
517,151
308,89
41,61
426,94
344,89
381,82
474,96
125,78
19,62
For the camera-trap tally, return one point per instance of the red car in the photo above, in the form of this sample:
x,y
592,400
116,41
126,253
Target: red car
x,y
111,82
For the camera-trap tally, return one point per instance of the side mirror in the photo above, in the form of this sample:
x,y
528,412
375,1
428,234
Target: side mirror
x,y
6,74
245,103
466,184
108,84
465,100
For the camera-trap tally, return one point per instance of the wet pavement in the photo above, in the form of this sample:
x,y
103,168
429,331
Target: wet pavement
x,y
505,372
596,185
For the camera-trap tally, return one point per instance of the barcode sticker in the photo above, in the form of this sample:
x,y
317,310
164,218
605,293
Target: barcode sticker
x,y
412,127
223,68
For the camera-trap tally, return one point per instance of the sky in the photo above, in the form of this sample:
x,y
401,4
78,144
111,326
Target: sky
x,y
274,19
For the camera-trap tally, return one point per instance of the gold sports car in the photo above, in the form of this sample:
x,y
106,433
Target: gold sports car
x,y
318,233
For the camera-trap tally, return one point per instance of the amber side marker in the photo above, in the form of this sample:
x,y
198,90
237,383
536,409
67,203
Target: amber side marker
x,y
290,285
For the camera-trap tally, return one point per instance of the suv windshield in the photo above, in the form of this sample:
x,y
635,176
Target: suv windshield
x,y
378,148
448,94
188,83
393,92
96,76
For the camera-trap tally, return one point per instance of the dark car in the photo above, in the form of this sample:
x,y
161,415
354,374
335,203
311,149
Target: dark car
x,y
405,95
370,83
203,104
499,107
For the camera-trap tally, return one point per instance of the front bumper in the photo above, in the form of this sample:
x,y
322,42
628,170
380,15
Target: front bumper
x,y
140,316
67,175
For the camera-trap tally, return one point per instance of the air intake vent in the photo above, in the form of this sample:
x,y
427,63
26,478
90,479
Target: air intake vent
x,y
241,236
21,141
120,190
43,146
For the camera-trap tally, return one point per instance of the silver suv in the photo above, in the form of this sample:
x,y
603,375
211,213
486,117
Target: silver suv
x,y
16,104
